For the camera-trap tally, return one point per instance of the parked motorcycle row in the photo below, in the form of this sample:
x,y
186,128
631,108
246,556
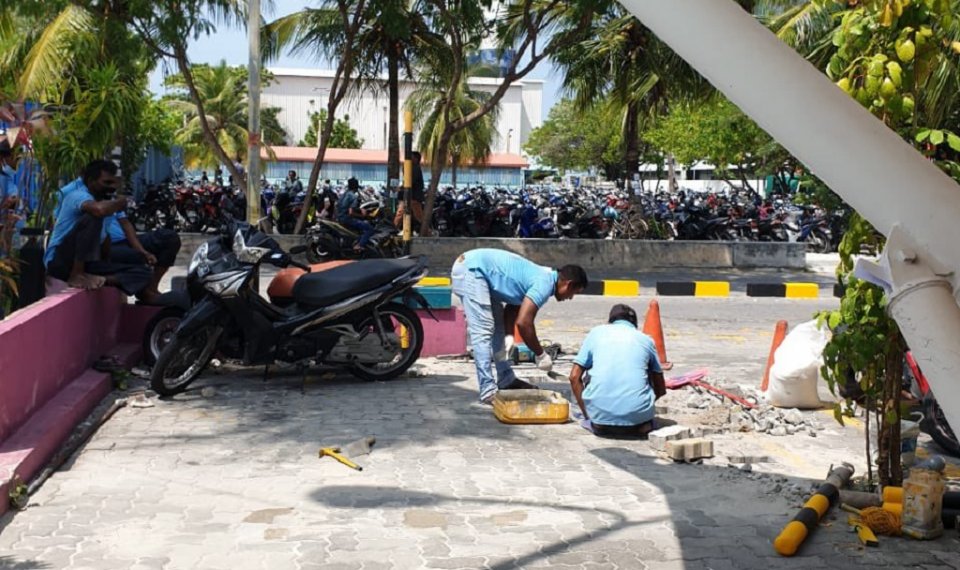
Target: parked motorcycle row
x,y
587,213
188,206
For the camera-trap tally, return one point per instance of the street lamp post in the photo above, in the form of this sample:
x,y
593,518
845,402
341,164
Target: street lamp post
x,y
253,117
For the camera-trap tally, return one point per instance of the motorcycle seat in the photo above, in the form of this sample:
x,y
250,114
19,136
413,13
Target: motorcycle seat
x,y
340,283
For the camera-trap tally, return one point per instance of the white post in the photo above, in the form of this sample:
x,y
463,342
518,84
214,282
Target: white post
x,y
856,155
253,123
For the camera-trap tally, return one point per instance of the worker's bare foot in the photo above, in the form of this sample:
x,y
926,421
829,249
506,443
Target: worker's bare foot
x,y
86,281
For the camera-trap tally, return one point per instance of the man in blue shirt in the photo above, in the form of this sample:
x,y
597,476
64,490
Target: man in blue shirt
x,y
158,249
486,280
349,214
616,377
9,194
78,249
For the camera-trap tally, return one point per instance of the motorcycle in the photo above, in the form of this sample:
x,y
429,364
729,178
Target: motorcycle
x,y
934,423
328,239
347,317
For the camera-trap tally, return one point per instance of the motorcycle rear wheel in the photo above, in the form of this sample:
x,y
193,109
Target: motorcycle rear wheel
x,y
182,361
393,316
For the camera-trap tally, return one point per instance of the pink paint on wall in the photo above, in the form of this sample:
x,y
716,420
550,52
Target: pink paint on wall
x,y
50,343
448,336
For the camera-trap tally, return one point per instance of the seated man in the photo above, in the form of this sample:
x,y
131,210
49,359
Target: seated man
x,y
78,252
624,377
350,215
157,249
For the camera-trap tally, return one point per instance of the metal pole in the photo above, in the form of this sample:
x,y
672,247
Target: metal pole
x,y
253,124
407,179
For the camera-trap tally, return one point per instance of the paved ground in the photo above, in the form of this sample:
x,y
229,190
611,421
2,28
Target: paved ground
x,y
233,481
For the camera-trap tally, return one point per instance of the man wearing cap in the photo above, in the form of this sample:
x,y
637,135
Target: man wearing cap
x,y
487,279
616,377
350,215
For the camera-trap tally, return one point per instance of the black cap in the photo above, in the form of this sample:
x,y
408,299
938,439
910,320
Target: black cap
x,y
623,313
353,184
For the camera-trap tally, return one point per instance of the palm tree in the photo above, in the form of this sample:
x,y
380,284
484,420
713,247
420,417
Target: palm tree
x,y
223,90
390,41
622,64
474,143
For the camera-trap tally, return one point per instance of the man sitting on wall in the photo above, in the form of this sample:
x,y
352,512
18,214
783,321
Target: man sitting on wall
x,y
616,377
78,251
157,249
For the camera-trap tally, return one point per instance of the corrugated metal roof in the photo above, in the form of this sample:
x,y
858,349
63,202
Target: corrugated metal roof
x,y
363,156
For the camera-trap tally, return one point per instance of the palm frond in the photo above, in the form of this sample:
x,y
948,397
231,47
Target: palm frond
x,y
56,51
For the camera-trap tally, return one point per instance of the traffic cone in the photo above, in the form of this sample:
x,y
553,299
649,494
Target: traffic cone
x,y
653,327
778,335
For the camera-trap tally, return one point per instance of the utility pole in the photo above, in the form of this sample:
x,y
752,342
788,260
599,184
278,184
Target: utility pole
x,y
253,118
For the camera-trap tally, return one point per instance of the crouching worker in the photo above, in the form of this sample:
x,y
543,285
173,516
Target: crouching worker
x,y
79,250
616,377
485,280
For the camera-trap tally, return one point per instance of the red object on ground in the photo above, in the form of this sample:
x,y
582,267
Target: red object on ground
x,y
696,377
778,335
653,327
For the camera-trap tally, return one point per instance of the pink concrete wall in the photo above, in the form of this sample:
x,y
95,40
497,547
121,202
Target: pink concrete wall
x,y
449,336
50,343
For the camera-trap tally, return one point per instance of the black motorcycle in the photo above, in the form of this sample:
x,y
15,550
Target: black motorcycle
x,y
328,240
347,317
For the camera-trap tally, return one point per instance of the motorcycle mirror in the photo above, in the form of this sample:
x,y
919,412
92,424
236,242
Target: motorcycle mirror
x,y
298,249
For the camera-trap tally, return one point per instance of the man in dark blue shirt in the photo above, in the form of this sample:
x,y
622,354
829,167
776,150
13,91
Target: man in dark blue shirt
x,y
350,215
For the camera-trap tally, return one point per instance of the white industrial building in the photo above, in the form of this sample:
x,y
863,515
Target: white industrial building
x,y
300,92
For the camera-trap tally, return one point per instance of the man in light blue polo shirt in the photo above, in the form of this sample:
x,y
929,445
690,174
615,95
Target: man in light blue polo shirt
x,y
487,279
625,377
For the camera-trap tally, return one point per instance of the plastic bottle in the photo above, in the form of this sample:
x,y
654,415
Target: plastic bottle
x,y
923,500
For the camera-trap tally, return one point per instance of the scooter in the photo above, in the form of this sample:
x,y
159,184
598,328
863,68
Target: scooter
x,y
347,317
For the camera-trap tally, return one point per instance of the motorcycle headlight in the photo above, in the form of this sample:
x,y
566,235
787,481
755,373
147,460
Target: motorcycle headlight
x,y
200,257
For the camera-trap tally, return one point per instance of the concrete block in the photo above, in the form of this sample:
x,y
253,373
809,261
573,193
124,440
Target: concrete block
x,y
659,438
689,449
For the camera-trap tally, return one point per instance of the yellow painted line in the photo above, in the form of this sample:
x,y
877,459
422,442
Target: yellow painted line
x,y
712,289
803,291
613,288
434,282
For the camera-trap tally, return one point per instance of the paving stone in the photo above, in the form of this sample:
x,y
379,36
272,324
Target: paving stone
x,y
658,438
689,449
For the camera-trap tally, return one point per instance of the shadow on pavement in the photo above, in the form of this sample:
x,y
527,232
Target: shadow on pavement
x,y
11,563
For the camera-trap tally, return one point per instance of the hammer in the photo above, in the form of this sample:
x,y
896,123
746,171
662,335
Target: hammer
x,y
334,452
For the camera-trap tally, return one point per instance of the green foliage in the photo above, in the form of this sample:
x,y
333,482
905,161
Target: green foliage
x,y
342,136
9,269
715,131
156,128
579,140
427,102
223,91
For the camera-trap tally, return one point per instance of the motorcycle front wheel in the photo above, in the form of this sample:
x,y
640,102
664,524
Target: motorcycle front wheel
x,y
183,359
160,331
322,250
405,324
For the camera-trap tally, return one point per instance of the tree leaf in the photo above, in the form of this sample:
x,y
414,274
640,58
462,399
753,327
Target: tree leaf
x,y
954,141
936,137
923,135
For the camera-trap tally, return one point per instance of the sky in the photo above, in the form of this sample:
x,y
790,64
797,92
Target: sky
x,y
230,44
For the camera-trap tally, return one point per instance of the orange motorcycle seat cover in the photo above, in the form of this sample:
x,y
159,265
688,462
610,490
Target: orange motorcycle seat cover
x,y
281,287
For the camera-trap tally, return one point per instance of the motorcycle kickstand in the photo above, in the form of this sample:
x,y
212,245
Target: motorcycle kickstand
x,y
303,381
266,372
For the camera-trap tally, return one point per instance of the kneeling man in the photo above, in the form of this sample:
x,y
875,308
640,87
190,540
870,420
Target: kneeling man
x,y
616,377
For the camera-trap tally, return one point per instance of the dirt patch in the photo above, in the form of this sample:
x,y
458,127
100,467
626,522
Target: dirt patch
x,y
425,519
509,519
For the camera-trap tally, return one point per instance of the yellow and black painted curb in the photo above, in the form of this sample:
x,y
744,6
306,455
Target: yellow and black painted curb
x,y
693,288
630,288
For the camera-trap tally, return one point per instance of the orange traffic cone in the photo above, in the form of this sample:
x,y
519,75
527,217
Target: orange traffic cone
x,y
653,327
778,335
